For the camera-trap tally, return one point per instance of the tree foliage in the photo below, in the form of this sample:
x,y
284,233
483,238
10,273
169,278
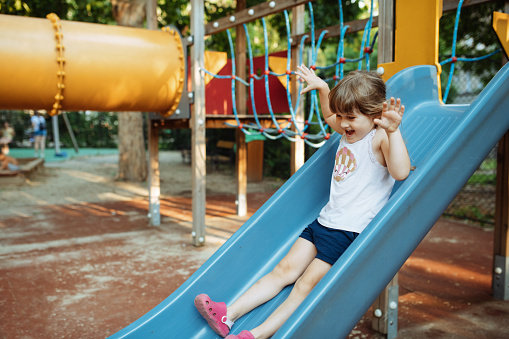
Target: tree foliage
x,y
96,11
475,38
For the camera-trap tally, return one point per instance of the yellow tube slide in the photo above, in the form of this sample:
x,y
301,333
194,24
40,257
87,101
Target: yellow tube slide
x,y
45,64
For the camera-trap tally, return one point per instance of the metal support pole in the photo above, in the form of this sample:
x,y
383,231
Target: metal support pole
x,y
154,182
297,147
501,277
198,155
71,133
385,307
56,134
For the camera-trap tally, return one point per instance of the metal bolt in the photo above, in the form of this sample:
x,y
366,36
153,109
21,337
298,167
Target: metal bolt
x,y
201,239
215,24
378,313
498,270
177,112
190,40
193,233
272,4
250,12
380,70
393,305
232,18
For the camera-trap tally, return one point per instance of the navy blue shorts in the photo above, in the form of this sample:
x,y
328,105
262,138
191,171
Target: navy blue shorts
x,y
330,243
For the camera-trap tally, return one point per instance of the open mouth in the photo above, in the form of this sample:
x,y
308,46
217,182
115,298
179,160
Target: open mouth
x,y
349,133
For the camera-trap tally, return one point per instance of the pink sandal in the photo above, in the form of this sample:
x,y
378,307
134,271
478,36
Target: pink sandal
x,y
214,313
242,335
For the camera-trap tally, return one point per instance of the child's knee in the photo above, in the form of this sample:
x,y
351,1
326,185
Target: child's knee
x,y
285,272
305,284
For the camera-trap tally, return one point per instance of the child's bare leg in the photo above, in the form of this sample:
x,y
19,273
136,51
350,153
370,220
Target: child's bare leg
x,y
313,274
37,143
289,269
43,145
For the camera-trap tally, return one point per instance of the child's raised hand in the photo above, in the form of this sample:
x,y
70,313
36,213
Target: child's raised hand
x,y
391,115
309,76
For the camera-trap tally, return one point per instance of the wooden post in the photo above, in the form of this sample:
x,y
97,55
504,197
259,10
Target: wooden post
x,y
386,31
240,93
500,280
255,161
241,170
297,147
385,307
154,190
198,149
154,183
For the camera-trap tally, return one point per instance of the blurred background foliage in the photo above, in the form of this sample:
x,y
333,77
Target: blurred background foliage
x,y
99,129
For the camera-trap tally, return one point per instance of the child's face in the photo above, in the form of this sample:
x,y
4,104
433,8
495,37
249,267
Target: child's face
x,y
356,125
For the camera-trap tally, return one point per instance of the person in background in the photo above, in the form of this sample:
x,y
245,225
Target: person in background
x,y
39,126
6,135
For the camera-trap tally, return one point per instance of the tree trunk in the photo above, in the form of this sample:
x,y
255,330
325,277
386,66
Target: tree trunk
x,y
132,163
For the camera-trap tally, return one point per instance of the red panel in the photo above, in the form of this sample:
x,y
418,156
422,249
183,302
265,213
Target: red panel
x,y
218,100
218,93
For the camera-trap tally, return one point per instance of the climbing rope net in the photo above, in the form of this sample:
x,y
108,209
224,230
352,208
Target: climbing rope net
x,y
314,117
294,129
453,59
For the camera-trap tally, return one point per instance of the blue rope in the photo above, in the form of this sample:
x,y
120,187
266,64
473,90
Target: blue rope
x,y
267,92
288,62
349,60
232,53
341,51
251,80
233,77
314,106
455,36
312,20
471,59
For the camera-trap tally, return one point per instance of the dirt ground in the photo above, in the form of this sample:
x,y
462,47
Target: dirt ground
x,y
78,259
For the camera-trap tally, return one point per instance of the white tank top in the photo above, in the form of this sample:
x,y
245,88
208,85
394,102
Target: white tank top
x,y
360,187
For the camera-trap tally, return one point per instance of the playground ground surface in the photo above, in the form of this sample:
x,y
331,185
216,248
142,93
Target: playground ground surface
x,y
78,260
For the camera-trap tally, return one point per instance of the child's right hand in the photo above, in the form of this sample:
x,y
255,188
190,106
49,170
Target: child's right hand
x,y
309,76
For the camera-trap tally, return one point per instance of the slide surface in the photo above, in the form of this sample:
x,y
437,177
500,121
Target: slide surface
x,y
446,143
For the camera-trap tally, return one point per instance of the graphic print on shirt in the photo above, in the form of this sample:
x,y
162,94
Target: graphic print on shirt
x,y
345,164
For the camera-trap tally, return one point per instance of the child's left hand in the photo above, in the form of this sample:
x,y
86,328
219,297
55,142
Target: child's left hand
x,y
392,114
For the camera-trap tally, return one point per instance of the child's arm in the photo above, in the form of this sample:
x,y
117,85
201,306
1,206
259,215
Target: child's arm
x,y
392,144
314,82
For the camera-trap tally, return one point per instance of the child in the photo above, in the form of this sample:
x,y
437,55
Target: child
x,y
370,157
8,163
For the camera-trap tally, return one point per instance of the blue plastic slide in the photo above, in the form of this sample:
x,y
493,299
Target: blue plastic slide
x,y
447,143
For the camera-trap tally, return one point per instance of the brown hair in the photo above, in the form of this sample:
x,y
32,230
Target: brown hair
x,y
361,91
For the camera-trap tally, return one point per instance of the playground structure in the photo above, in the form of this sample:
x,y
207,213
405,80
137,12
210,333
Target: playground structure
x,y
393,218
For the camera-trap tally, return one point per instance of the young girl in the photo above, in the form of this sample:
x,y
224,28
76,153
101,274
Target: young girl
x,y
370,156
